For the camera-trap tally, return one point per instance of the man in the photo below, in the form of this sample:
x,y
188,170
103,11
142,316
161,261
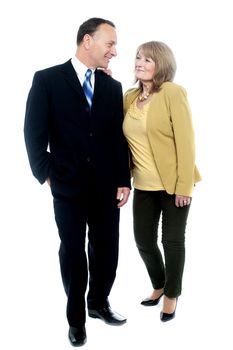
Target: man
x,y
75,142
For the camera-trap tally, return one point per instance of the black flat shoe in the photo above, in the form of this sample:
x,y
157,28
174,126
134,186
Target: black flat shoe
x,y
107,315
77,336
164,317
151,302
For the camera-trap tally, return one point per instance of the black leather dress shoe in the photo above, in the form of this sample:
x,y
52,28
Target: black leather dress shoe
x,y
108,316
151,302
77,336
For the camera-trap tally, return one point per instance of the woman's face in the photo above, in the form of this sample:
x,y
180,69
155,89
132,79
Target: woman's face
x,y
144,68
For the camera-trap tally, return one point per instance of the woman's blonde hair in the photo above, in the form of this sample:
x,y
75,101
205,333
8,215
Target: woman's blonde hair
x,y
165,63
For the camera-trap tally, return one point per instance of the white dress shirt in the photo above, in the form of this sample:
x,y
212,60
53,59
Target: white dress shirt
x,y
81,69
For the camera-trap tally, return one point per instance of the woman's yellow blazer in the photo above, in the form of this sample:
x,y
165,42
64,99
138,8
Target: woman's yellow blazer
x,y
171,137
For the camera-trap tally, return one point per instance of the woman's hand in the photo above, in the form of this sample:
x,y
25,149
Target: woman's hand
x,y
182,201
106,71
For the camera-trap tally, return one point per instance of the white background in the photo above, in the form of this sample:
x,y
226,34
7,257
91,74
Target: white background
x,y
39,34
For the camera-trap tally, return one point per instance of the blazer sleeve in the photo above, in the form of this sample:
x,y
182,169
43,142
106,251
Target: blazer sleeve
x,y
36,127
123,171
184,140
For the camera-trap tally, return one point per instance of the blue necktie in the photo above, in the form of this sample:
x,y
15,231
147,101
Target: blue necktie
x,y
87,87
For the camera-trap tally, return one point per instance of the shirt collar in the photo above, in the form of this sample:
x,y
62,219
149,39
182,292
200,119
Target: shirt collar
x,y
81,69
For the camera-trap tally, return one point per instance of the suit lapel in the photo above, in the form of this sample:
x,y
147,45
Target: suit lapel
x,y
71,77
100,85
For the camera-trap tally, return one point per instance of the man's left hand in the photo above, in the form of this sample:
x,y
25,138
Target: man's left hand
x,y
122,196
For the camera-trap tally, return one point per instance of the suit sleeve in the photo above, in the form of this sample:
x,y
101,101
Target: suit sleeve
x,y
36,126
123,171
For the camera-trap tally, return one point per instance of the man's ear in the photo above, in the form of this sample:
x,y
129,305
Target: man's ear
x,y
87,41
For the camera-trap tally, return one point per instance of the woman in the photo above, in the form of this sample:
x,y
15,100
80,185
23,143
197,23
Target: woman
x,y
159,132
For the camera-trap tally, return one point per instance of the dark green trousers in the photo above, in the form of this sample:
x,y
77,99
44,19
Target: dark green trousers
x,y
164,268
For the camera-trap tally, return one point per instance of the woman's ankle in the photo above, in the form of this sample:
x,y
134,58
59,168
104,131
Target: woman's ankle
x,y
156,293
169,304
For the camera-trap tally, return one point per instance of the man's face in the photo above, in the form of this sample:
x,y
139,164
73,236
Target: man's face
x,y
102,46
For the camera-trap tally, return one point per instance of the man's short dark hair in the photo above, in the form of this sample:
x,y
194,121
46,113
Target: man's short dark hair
x,y
90,26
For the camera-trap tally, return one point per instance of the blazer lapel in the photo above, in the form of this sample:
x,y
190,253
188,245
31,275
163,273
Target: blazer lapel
x,y
130,96
71,77
100,85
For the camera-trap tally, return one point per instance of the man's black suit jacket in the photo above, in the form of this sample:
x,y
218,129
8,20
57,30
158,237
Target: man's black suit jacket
x,y
65,139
